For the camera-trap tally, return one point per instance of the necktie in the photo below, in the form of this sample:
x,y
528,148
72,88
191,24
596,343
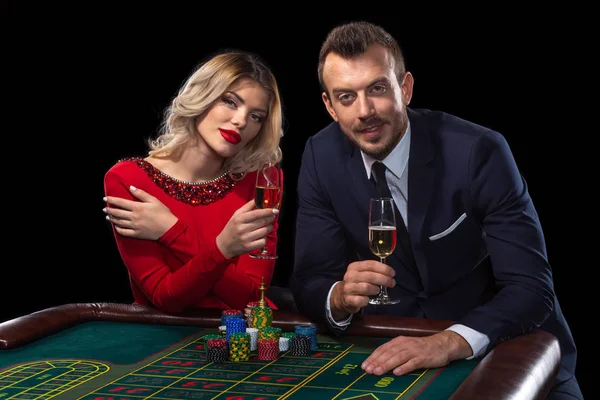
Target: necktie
x,y
383,190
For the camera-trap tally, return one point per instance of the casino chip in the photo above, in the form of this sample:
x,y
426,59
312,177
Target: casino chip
x,y
234,325
262,317
226,314
268,349
311,331
301,345
239,346
253,332
216,350
284,344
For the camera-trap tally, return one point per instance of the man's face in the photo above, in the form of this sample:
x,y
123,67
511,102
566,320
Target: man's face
x,y
364,97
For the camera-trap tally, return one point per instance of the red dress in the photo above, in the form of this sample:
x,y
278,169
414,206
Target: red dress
x,y
184,269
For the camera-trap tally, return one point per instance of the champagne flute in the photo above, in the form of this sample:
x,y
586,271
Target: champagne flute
x,y
382,238
268,195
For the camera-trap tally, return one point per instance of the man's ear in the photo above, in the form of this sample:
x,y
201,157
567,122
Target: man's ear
x,y
407,87
328,106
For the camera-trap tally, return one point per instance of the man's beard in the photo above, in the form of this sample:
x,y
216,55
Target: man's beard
x,y
382,151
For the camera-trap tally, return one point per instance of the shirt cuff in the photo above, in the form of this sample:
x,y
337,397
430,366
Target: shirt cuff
x,y
343,324
477,340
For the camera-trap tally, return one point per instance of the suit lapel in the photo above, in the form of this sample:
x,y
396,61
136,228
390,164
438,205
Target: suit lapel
x,y
420,184
363,189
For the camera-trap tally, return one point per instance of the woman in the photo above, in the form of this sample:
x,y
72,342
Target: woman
x,y
183,217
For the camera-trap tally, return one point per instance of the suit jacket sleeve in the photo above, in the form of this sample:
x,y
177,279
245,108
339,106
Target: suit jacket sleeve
x,y
320,249
515,242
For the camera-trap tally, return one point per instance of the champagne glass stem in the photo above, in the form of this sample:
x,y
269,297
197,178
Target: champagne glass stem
x,y
382,289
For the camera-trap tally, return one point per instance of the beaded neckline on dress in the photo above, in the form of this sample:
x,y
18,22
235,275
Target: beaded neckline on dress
x,y
193,193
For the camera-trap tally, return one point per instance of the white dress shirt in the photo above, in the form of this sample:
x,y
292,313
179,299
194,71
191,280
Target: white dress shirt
x,y
397,177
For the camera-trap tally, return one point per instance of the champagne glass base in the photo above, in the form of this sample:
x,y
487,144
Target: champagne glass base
x,y
383,300
263,256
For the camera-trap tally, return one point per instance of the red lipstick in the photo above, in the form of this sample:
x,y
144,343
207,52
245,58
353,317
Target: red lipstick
x,y
230,136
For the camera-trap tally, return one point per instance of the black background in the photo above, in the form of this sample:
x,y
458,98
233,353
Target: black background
x,y
90,85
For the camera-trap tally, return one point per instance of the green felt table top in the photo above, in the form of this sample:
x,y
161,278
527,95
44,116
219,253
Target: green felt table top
x,y
101,360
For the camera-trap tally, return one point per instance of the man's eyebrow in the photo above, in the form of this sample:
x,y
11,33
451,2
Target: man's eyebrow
x,y
243,102
373,82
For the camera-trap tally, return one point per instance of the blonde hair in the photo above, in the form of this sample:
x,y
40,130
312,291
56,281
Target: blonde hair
x,y
205,86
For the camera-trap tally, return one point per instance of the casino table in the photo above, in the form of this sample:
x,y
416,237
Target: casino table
x,y
116,351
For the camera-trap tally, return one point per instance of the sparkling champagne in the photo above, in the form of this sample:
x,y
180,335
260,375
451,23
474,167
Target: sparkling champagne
x,y
268,197
382,240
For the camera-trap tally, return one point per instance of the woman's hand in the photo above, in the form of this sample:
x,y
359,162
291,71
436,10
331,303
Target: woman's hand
x,y
145,219
246,230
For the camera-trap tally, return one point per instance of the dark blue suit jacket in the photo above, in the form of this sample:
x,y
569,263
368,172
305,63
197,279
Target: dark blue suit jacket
x,y
490,272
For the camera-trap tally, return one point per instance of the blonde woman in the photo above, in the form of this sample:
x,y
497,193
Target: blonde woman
x,y
183,217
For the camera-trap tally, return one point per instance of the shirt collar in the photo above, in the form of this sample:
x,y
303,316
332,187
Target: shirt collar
x,y
397,160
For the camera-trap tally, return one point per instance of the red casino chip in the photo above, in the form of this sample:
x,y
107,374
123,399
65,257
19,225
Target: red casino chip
x,y
268,349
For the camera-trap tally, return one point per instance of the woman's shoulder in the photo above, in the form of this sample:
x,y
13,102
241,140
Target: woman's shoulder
x,y
126,166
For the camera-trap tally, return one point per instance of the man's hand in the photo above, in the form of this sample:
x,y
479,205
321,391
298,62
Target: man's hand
x,y
405,354
362,279
144,219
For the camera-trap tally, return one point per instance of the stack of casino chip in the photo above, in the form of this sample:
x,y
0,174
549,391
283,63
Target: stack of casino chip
x,y
206,338
234,325
262,317
311,331
285,339
253,332
284,344
239,347
268,349
269,333
226,314
300,345
248,313
216,350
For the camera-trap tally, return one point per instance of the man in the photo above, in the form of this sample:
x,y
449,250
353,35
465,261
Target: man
x,y
470,245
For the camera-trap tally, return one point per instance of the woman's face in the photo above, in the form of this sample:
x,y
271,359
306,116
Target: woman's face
x,y
235,119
